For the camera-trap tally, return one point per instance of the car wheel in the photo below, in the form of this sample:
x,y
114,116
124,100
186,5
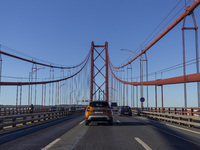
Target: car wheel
x,y
86,122
110,122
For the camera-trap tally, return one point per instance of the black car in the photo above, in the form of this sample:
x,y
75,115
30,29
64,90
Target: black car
x,y
124,110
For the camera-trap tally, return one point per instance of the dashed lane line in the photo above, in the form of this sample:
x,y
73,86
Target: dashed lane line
x,y
81,122
143,144
51,144
118,121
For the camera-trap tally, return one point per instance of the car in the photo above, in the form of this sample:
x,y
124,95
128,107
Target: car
x,y
62,108
124,110
98,111
72,108
53,108
114,106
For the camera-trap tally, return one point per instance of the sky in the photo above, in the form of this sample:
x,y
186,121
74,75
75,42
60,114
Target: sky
x,y
61,32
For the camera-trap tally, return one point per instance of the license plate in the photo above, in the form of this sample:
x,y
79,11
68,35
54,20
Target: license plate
x,y
98,112
126,113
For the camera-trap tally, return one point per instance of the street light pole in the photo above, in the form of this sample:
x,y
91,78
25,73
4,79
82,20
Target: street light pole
x,y
141,72
147,98
60,96
71,97
77,98
30,74
141,78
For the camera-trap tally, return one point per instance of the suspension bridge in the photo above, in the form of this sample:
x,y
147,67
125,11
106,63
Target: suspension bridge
x,y
60,93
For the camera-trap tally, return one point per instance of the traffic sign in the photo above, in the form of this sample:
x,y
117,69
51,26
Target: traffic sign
x,y
142,99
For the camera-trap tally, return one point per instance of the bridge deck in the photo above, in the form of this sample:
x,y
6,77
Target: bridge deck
x,y
126,133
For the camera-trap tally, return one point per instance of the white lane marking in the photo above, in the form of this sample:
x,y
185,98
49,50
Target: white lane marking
x,y
143,144
51,144
118,121
81,122
183,129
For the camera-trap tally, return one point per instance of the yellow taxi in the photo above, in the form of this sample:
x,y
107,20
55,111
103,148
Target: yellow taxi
x,y
98,111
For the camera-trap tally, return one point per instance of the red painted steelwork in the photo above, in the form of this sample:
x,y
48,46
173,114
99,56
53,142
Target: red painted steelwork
x,y
107,89
188,11
93,75
38,63
175,80
43,82
92,70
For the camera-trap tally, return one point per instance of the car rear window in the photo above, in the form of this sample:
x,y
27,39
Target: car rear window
x,y
114,104
99,104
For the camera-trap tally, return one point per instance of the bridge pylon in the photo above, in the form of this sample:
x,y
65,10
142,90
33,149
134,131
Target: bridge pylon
x,y
99,72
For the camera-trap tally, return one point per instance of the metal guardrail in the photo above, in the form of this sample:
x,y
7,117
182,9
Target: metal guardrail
x,y
180,115
24,110
12,121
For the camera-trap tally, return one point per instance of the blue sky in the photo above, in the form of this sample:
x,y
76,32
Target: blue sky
x,y
61,31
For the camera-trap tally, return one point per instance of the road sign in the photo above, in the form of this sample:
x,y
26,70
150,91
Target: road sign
x,y
142,99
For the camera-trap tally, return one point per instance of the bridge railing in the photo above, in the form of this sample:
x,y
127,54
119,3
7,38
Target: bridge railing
x,y
24,110
188,116
12,121
192,111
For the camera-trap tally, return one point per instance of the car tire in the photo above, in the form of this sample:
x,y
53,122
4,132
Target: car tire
x,y
110,122
87,122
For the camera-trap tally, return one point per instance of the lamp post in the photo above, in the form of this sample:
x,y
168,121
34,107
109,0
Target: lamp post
x,y
61,97
113,95
30,74
132,87
77,98
141,70
119,87
71,97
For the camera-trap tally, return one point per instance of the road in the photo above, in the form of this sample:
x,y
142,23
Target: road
x,y
127,133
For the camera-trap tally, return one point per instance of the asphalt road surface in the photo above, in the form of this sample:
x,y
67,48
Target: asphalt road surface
x,y
127,133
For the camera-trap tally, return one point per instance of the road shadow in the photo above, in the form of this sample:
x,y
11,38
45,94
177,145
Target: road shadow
x,y
102,123
128,124
177,139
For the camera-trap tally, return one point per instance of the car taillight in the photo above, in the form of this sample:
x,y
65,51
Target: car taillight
x,y
88,109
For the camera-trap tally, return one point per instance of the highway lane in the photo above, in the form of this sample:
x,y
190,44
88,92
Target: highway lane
x,y
37,137
126,133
